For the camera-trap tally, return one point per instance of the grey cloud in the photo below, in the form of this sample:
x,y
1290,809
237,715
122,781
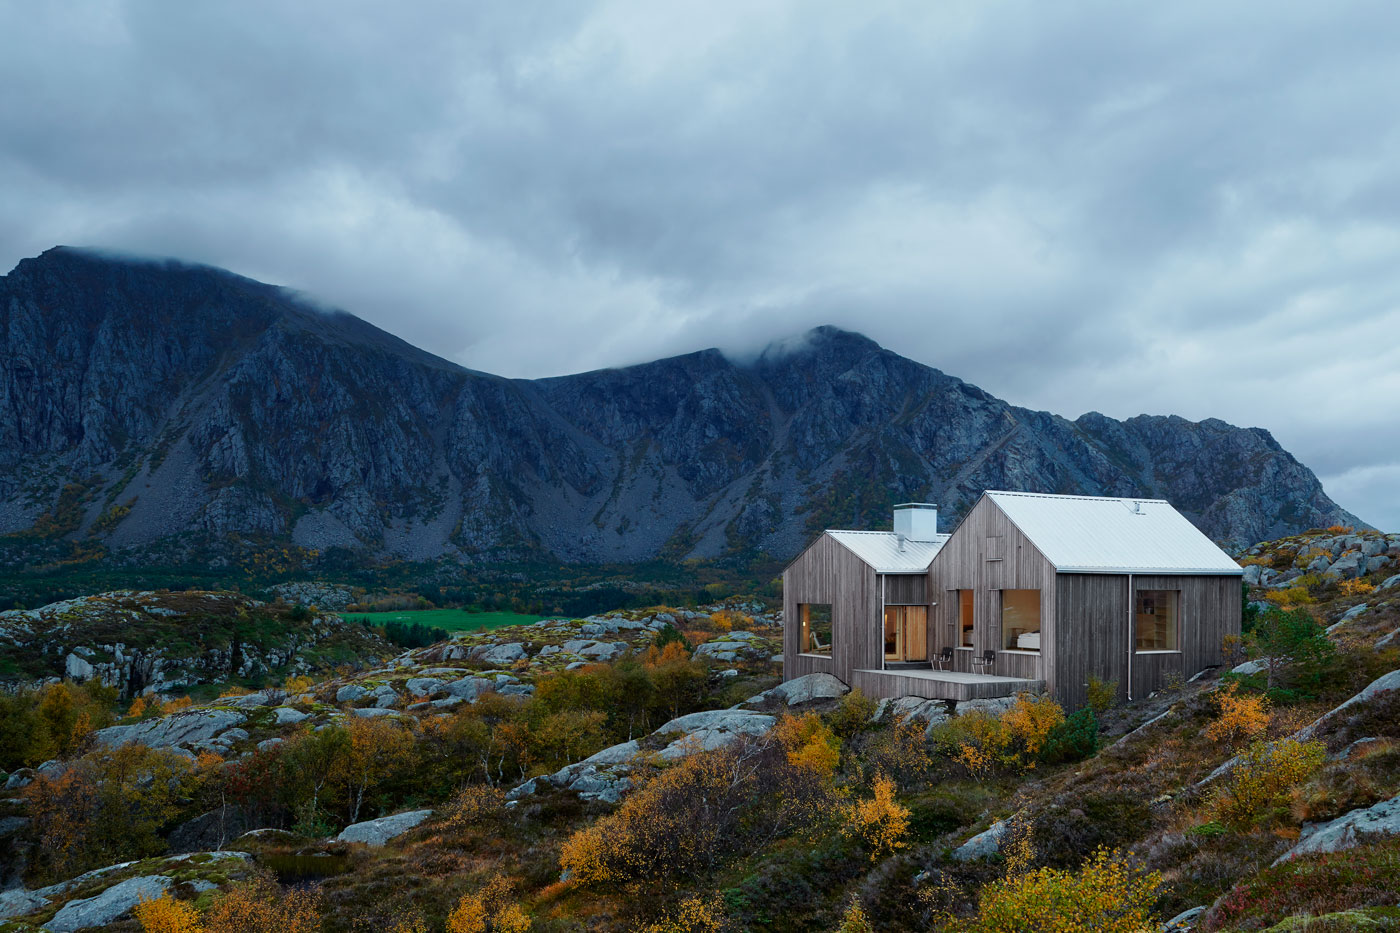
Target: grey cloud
x,y
1191,207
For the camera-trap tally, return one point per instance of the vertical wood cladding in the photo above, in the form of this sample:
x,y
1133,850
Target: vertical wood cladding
x,y
1094,627
964,564
906,589
829,573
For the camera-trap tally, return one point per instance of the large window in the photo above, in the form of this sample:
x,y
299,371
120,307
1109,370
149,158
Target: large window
x,y
1020,620
906,633
816,627
1158,627
965,617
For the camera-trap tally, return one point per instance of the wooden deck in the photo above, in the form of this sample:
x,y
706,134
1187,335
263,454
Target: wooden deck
x,y
941,685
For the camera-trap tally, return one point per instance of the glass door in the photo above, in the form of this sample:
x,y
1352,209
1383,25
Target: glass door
x,y
906,633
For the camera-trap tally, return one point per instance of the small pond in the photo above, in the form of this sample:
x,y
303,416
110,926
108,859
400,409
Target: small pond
x,y
291,869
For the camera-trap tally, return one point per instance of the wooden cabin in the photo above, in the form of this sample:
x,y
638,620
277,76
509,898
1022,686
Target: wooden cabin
x,y
1030,592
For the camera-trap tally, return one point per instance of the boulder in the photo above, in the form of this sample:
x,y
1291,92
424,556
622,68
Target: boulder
x,y
350,693
1345,567
983,845
424,686
286,716
711,729
804,689
1383,684
187,727
19,901
76,668
109,906
372,712
1251,667
377,832
1390,582
1346,832
995,706
1385,641
1185,921
469,688
520,690
247,701
618,754
921,709
499,654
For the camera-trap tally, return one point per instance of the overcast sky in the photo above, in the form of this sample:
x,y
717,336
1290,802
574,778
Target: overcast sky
x,y
1188,208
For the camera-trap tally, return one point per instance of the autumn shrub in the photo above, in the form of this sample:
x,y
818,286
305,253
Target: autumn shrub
x,y
1103,694
854,919
852,714
1014,740
1263,779
1240,717
474,805
167,915
699,810
259,905
691,915
1293,596
880,822
1356,587
491,909
108,806
1109,894
901,751
809,743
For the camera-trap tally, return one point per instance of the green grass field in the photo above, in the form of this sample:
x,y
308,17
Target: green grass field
x,y
454,620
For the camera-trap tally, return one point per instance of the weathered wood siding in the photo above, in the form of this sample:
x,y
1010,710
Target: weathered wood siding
x,y
829,573
906,589
881,684
963,564
1093,631
1210,609
1091,636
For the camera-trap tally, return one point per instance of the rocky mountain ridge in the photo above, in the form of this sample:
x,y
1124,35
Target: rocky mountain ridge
x,y
154,405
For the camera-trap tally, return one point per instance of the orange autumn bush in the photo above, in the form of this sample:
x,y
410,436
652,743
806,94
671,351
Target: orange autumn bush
x,y
488,910
1109,894
1239,717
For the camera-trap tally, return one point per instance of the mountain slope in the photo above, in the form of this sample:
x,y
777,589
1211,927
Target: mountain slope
x,y
143,401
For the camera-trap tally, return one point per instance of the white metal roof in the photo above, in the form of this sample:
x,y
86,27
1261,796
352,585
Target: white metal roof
x,y
880,549
1093,534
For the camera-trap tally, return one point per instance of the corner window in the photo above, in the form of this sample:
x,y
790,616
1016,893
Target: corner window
x,y
1020,620
965,617
816,627
1157,624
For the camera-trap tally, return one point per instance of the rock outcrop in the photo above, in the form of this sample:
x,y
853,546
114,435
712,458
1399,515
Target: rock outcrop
x,y
379,832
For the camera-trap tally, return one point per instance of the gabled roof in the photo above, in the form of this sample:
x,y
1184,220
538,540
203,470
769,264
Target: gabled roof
x,y
880,549
1094,534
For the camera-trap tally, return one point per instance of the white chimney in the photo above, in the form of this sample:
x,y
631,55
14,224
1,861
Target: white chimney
x,y
917,521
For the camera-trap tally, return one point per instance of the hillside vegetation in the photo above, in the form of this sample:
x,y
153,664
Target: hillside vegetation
x,y
644,770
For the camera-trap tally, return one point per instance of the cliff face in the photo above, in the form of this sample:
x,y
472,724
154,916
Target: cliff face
x,y
141,401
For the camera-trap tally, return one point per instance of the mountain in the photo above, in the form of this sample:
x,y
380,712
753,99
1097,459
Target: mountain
x,y
144,403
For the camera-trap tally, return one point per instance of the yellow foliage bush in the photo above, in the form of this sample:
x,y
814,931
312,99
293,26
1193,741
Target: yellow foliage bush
x,y
854,920
489,910
167,915
260,906
809,743
1293,596
473,805
1102,693
1356,587
1012,740
175,705
692,915
1241,717
881,822
1107,895
1264,778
